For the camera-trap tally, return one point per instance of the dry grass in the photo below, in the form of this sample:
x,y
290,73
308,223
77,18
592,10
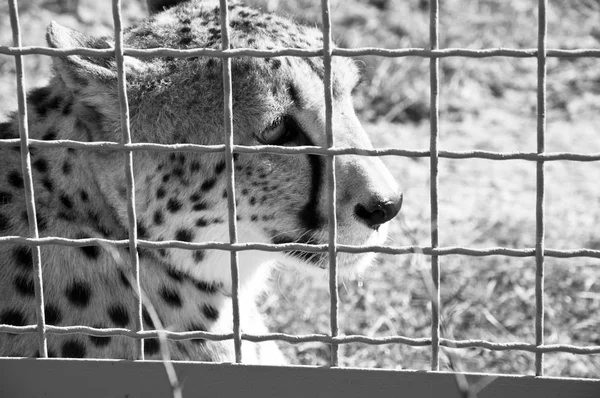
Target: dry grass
x,y
486,104
482,204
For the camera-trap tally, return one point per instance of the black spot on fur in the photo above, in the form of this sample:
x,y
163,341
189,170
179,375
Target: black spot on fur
x,y
25,217
184,235
158,217
53,103
66,201
174,205
178,172
151,346
123,279
37,99
210,312
83,195
160,193
51,354
5,198
207,287
67,216
41,165
252,201
15,179
197,327
170,296
52,314
275,63
195,197
199,255
96,224
195,166
4,223
22,257
208,184
142,230
100,341
79,293
91,252
50,135
175,274
24,285
220,167
13,317
118,314
147,319
201,222
67,168
67,107
47,183
254,217
72,349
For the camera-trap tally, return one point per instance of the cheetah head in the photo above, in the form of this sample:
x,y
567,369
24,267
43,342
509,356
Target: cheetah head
x,y
276,101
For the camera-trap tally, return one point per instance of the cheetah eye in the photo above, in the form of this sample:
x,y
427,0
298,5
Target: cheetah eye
x,y
279,133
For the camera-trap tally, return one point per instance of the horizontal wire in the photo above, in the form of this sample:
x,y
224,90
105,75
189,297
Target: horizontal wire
x,y
297,52
308,338
316,248
310,150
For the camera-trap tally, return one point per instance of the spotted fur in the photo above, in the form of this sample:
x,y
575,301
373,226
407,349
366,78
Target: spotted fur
x,y
180,195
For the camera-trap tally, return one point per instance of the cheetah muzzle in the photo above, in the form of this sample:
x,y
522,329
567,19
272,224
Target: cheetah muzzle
x,y
181,195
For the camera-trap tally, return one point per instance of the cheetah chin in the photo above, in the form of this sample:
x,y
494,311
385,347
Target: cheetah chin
x,y
181,196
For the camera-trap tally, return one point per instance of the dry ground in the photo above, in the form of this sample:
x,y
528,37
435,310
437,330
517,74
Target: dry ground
x,y
485,104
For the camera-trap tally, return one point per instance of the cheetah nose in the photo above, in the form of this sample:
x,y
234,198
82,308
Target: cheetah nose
x,y
378,211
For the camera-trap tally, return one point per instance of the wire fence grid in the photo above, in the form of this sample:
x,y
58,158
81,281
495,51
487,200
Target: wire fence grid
x,y
541,53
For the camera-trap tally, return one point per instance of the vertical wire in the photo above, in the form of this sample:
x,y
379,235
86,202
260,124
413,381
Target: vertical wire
x,y
434,83
28,182
331,189
125,130
540,187
228,121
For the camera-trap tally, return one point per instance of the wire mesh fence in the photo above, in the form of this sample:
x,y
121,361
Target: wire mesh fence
x,y
329,152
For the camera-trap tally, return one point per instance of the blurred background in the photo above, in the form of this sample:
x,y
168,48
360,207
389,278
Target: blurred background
x,y
485,104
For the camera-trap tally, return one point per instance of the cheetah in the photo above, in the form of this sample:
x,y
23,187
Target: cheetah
x,y
181,195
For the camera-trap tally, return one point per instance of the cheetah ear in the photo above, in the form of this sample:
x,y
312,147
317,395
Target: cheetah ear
x,y
155,6
76,69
